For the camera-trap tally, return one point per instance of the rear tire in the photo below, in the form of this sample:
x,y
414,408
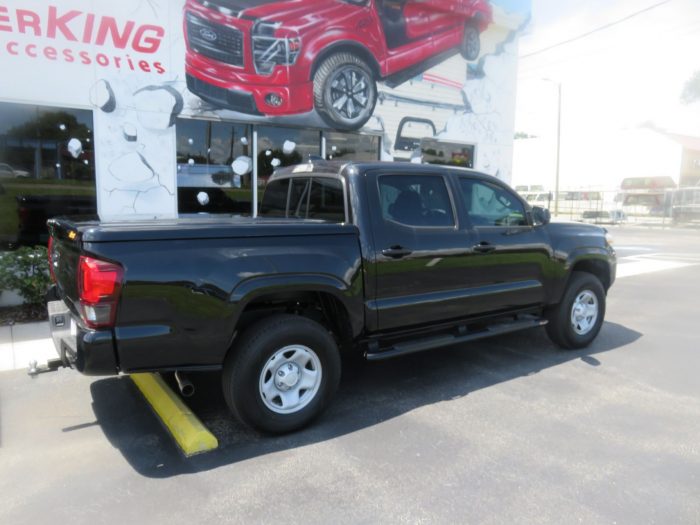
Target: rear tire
x,y
281,373
471,43
575,322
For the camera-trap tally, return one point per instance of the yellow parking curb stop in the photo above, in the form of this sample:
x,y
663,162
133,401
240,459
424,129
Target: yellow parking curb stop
x,y
189,432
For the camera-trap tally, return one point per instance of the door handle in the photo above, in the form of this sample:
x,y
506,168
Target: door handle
x,y
484,247
396,252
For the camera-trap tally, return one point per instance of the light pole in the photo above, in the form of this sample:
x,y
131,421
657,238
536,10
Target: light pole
x,y
556,180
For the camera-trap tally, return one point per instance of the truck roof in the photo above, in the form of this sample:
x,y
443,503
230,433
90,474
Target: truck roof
x,y
336,168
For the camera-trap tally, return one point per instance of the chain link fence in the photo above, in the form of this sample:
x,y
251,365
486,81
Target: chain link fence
x,y
662,208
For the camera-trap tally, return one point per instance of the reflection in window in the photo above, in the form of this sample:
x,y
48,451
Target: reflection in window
x,y
214,167
274,202
326,201
447,153
351,146
299,198
46,170
279,147
491,205
318,198
416,200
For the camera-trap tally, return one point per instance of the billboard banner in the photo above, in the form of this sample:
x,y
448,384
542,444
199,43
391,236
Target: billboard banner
x,y
434,78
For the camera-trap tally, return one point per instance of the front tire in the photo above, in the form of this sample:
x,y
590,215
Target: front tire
x,y
575,322
281,374
345,91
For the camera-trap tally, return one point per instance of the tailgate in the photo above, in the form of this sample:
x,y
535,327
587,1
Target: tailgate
x,y
64,256
91,351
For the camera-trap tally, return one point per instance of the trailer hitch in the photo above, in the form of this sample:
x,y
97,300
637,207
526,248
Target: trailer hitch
x,y
52,365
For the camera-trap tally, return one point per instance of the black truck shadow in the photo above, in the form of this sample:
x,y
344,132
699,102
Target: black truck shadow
x,y
370,393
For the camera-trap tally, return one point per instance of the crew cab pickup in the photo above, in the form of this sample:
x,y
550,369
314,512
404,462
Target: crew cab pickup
x,y
380,259
276,58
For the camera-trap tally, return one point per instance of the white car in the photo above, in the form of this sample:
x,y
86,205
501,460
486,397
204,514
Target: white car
x,y
604,217
8,172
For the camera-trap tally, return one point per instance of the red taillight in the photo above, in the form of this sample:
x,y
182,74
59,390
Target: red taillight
x,y
99,285
51,272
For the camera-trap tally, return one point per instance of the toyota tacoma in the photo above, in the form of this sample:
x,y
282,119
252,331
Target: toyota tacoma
x,y
376,259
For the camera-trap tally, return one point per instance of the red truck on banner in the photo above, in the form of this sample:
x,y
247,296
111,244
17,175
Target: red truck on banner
x,y
278,58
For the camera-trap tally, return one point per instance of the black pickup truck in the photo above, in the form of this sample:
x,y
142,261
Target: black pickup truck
x,y
381,259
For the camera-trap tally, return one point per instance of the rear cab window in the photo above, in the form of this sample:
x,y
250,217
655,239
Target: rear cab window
x,y
274,202
321,198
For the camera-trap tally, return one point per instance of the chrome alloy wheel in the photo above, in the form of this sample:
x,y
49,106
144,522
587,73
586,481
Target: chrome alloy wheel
x,y
290,379
350,92
584,312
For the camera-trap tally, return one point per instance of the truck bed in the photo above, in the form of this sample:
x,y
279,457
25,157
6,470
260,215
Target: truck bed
x,y
198,228
186,281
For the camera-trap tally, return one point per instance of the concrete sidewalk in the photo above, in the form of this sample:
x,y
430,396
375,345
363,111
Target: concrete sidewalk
x,y
22,343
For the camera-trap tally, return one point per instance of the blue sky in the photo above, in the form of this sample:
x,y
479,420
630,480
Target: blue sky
x,y
514,6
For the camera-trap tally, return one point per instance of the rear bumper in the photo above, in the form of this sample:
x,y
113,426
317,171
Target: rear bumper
x,y
91,352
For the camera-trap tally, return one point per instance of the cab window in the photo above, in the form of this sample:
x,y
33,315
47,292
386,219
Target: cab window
x,y
274,202
314,198
416,200
299,198
326,200
490,205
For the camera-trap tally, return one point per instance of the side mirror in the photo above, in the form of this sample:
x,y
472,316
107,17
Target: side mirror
x,y
541,215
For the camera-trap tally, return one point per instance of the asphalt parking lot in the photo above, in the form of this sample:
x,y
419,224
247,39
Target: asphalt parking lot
x,y
507,430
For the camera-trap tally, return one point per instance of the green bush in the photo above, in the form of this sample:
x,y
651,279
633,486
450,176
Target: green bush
x,y
26,270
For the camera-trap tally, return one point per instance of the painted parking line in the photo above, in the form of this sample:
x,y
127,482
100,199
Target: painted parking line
x,y
189,432
681,257
619,248
643,264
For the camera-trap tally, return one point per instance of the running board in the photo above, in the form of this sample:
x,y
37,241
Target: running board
x,y
411,347
395,80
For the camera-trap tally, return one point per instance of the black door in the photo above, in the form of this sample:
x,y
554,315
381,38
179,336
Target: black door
x,y
419,250
512,258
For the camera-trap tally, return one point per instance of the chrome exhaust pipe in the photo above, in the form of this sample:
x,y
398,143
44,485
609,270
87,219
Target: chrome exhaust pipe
x,y
184,384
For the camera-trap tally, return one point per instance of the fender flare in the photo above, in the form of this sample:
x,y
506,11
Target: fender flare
x,y
590,253
322,51
255,287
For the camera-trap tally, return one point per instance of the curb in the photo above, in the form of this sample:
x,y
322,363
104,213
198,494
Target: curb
x,y
188,431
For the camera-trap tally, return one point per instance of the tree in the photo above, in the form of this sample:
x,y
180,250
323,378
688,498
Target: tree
x,y
691,91
54,128
51,125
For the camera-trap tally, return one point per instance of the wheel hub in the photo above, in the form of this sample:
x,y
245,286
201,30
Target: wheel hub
x,y
349,89
290,379
287,376
584,312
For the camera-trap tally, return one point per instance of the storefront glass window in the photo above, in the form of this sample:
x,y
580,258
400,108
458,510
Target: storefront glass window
x,y
351,146
46,170
447,153
214,167
278,146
